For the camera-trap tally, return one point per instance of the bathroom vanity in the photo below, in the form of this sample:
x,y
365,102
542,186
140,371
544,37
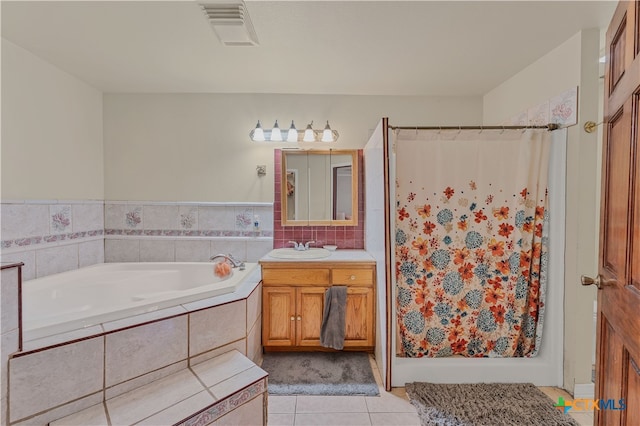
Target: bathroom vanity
x,y
293,300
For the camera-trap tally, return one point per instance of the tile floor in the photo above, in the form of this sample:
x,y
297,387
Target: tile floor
x,y
389,409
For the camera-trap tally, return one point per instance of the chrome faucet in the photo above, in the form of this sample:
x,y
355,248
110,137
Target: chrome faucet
x,y
234,263
301,247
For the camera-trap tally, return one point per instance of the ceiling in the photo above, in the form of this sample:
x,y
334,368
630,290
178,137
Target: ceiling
x,y
450,48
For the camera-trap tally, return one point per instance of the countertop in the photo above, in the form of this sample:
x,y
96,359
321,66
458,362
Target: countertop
x,y
336,256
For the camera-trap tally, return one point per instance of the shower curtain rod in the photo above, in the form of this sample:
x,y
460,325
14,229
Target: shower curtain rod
x,y
550,127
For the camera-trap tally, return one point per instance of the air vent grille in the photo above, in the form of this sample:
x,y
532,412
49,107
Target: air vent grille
x,y
231,23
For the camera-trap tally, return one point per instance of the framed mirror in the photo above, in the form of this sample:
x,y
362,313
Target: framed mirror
x,y
319,188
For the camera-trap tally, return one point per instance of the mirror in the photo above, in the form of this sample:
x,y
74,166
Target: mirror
x,y
320,188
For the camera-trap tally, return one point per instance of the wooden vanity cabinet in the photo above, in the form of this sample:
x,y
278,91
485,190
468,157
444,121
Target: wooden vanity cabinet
x,y
293,304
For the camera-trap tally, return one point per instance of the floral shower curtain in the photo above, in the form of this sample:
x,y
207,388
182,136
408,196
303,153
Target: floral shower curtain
x,y
471,242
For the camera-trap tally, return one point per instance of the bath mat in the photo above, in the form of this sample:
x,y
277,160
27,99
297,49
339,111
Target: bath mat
x,y
494,404
319,373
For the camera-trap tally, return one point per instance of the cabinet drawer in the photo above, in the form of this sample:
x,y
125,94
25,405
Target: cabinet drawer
x,y
295,276
352,276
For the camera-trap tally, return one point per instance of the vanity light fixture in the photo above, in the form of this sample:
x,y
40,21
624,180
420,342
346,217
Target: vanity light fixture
x,y
292,134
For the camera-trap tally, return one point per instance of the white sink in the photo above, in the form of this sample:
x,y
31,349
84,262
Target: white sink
x,y
289,253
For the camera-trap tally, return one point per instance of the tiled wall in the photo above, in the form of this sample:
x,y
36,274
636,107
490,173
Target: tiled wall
x,y
345,237
51,236
10,333
186,232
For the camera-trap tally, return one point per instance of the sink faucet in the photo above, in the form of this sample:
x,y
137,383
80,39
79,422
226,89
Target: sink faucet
x,y
301,247
234,263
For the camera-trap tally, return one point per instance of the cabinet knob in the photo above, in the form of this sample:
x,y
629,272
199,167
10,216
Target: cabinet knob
x,y
299,318
353,277
293,318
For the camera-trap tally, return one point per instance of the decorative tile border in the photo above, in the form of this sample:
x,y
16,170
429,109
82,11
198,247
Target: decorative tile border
x,y
45,239
186,233
227,405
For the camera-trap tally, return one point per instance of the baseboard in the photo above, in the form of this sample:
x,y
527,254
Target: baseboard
x,y
584,391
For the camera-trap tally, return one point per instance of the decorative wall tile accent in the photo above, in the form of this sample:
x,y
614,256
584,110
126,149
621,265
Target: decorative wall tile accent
x,y
561,110
133,217
345,237
60,218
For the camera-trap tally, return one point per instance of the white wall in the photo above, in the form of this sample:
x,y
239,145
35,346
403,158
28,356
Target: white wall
x,y
574,63
51,131
196,147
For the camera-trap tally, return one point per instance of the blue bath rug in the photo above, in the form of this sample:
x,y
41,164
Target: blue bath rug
x,y
320,373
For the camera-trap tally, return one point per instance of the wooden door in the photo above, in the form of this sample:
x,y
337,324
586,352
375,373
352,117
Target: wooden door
x,y
310,306
278,316
618,333
359,317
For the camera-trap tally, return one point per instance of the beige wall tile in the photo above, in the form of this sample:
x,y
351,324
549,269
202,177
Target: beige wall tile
x,y
180,411
140,350
9,300
193,250
238,345
248,414
90,253
157,251
121,250
254,307
56,259
65,410
217,326
46,379
119,389
95,415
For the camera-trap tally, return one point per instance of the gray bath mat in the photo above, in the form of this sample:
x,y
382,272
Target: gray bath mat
x,y
491,404
319,373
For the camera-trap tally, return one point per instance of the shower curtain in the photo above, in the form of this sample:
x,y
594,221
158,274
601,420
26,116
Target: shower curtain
x,y
471,242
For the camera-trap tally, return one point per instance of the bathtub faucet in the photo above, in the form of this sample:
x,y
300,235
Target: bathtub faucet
x,y
234,263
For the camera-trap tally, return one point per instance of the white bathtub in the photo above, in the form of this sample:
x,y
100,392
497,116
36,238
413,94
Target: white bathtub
x,y
112,291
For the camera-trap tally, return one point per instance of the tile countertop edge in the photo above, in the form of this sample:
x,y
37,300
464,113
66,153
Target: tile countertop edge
x,y
346,255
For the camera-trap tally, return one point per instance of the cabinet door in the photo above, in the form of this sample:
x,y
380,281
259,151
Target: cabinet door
x,y
278,316
359,317
309,317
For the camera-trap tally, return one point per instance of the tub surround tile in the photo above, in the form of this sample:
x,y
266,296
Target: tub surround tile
x,y
57,413
114,215
239,381
238,345
87,216
148,400
254,307
43,380
122,250
143,318
56,259
258,249
124,358
181,410
249,414
24,220
157,251
216,218
26,257
204,333
60,219
187,217
160,217
129,385
254,340
193,250
8,345
222,367
31,344
92,416
9,298
237,249
90,253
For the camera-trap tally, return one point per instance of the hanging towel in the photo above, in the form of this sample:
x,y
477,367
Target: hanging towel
x,y
333,317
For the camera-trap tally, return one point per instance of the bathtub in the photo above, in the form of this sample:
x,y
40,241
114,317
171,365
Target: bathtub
x,y
111,291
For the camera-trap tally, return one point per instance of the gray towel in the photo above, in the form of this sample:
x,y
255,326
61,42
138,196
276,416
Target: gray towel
x,y
333,317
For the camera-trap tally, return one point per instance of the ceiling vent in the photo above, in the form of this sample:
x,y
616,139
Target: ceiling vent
x,y
231,23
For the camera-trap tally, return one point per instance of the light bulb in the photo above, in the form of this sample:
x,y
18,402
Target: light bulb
x,y
276,134
309,134
327,134
292,135
257,134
